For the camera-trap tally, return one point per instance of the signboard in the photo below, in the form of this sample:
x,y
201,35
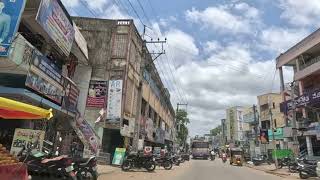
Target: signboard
x,y
149,129
40,83
55,20
160,134
10,15
264,139
119,155
277,135
248,118
301,101
88,133
81,41
282,153
70,99
157,151
97,94
147,150
114,100
26,137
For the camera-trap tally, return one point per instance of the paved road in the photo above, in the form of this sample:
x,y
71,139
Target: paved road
x,y
202,169
195,170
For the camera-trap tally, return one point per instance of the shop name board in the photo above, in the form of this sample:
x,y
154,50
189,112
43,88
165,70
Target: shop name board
x,y
97,94
54,19
47,66
301,101
278,134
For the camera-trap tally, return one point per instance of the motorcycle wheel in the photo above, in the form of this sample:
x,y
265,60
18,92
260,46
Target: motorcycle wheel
x,y
87,175
303,175
150,166
292,168
167,165
177,163
126,165
269,163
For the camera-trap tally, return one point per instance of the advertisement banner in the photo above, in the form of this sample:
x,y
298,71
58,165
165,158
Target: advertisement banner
x,y
160,134
114,100
71,95
97,94
119,155
40,83
26,137
10,15
88,133
264,138
149,129
55,20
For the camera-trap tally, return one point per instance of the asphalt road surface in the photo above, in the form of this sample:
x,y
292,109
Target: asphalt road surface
x,y
195,170
216,170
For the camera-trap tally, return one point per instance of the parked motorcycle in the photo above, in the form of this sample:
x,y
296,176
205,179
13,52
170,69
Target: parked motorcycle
x,y
165,162
293,166
41,165
86,168
307,170
260,160
175,159
138,160
284,162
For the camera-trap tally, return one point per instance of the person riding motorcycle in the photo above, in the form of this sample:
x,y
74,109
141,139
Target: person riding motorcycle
x,y
224,157
212,155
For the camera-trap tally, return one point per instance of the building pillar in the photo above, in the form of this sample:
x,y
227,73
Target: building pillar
x,y
309,146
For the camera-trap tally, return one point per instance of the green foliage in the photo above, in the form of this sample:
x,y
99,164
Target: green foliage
x,y
216,130
182,121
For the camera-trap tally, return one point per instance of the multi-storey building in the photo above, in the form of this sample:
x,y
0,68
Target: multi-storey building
x,y
121,67
234,125
41,64
304,58
269,107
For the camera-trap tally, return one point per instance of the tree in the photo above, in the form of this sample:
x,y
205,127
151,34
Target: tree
x,y
215,131
182,121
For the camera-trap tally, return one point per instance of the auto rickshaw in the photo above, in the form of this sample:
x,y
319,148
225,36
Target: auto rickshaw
x,y
236,156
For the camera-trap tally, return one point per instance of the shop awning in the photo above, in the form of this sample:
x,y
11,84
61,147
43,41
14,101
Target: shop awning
x,y
10,109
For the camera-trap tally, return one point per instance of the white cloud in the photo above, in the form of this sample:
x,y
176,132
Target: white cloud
x,y
280,39
301,12
70,3
237,18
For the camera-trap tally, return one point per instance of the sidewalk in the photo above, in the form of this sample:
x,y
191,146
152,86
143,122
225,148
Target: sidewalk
x,y
108,169
284,172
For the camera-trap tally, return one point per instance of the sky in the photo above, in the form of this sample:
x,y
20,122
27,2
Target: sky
x,y
219,53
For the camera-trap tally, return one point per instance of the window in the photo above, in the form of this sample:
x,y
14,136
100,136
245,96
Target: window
x,y
273,105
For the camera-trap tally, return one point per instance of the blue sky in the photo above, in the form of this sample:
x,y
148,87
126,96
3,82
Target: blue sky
x,y
220,53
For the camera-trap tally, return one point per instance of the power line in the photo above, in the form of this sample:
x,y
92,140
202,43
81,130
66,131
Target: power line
x,y
144,12
134,10
86,5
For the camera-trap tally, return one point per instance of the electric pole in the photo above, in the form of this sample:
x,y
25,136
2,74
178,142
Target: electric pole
x,y
294,119
273,137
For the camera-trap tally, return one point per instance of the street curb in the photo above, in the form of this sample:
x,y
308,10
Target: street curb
x,y
271,172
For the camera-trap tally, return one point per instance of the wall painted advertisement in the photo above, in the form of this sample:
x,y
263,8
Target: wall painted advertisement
x,y
10,14
90,137
26,137
114,100
97,94
55,20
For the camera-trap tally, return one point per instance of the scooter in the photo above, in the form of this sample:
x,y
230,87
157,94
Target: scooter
x,y
224,158
212,157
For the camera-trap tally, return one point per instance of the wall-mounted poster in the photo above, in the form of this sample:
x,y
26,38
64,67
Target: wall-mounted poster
x,y
97,94
10,14
114,100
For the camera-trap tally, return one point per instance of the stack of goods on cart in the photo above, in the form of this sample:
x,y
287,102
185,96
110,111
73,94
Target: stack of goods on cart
x,y
10,167
6,158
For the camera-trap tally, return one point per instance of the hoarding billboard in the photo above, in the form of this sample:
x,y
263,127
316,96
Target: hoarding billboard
x,y
114,100
10,15
55,20
264,138
97,94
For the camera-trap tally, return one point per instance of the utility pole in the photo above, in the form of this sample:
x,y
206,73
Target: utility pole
x,y
273,137
180,104
294,119
256,123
